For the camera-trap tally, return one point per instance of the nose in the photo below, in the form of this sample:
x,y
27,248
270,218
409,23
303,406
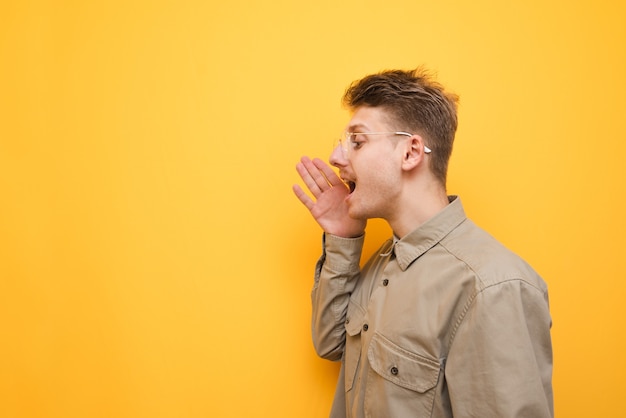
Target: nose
x,y
337,158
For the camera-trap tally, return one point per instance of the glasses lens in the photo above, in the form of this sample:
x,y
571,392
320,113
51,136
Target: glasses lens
x,y
343,143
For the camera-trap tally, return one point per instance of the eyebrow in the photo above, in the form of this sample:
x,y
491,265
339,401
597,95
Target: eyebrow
x,y
354,127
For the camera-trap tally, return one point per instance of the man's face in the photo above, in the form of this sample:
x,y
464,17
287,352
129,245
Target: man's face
x,y
372,165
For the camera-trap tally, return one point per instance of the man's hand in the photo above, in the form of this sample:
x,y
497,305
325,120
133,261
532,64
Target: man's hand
x,y
329,208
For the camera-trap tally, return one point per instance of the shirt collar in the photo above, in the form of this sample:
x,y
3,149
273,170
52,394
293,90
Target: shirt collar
x,y
431,232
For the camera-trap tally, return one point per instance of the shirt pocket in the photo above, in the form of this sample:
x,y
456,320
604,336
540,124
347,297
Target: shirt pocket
x,y
354,324
400,375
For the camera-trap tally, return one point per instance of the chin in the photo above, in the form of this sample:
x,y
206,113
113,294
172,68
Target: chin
x,y
354,213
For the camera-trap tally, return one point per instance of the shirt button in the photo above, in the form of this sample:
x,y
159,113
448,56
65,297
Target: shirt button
x,y
394,371
365,327
347,321
385,282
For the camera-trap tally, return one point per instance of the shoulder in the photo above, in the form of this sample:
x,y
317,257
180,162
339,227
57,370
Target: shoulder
x,y
490,261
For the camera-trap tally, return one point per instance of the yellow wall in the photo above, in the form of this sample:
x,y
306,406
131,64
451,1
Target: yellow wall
x,y
153,260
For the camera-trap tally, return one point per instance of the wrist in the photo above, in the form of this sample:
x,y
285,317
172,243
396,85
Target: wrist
x,y
355,230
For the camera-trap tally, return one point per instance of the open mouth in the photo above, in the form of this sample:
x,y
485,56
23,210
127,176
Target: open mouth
x,y
351,185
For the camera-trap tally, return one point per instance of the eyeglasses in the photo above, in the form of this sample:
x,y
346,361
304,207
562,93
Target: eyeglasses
x,y
350,140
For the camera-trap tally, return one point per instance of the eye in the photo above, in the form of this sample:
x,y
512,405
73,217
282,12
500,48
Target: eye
x,y
356,141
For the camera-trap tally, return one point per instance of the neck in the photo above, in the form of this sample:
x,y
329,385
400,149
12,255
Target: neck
x,y
418,207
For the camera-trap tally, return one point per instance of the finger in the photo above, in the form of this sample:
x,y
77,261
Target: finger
x,y
331,176
308,179
303,197
316,174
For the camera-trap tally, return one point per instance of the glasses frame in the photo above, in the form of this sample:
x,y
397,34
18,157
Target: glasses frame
x,y
346,140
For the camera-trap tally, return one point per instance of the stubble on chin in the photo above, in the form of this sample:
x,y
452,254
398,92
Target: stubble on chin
x,y
357,213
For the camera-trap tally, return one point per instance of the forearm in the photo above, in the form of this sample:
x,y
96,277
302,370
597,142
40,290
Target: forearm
x,y
336,275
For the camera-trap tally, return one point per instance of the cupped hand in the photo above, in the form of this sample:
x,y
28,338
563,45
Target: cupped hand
x,y
329,207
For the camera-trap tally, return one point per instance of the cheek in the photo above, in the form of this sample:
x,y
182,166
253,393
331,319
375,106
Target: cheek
x,y
377,173
383,180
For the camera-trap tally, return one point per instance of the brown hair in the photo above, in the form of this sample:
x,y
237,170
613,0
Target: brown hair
x,y
418,103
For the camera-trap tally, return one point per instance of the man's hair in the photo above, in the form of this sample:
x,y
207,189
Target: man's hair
x,y
417,103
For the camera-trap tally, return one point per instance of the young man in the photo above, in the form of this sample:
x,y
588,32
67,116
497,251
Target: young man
x,y
442,321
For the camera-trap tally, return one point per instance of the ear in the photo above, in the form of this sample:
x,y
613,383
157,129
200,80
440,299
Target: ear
x,y
413,153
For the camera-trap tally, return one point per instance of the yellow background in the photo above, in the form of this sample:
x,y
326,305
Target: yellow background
x,y
153,260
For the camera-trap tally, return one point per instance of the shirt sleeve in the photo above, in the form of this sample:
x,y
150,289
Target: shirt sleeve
x,y
336,275
500,361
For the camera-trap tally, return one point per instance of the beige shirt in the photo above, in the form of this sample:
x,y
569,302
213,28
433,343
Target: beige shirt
x,y
445,322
